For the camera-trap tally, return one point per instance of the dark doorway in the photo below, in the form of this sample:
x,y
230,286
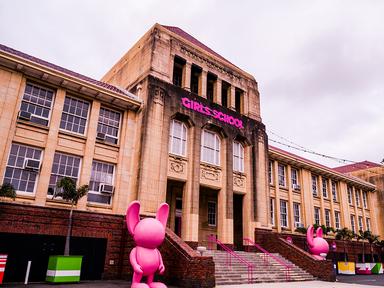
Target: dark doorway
x,y
22,248
238,221
175,202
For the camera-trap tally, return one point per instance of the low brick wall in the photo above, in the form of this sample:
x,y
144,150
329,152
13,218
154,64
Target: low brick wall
x,y
274,243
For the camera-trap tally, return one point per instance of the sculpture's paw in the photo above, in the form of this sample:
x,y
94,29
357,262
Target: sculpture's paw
x,y
157,285
139,285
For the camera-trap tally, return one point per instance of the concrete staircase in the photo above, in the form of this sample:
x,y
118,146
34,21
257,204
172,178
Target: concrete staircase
x,y
268,270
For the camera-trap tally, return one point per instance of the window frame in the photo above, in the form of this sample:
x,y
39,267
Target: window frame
x,y
270,172
334,191
272,211
239,158
357,197
118,128
337,220
353,223
217,145
365,199
97,192
360,223
87,118
316,215
284,219
349,194
314,184
324,187
282,178
184,142
210,213
368,223
327,216
296,212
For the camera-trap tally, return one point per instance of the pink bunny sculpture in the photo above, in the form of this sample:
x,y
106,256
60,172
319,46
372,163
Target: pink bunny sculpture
x,y
317,246
148,234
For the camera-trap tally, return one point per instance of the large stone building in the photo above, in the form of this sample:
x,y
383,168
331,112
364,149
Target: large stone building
x,y
172,121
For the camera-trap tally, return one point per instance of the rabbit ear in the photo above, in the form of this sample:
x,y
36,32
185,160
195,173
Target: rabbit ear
x,y
162,214
319,232
310,236
132,217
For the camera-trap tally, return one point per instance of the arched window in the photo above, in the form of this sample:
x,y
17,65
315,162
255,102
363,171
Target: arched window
x,y
238,157
210,148
178,138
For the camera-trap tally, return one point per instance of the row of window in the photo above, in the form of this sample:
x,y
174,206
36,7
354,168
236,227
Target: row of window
x,y
357,197
327,216
210,146
36,106
24,176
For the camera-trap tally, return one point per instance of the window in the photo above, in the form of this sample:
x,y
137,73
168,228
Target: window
x,y
37,101
102,174
314,185
327,218
317,215
178,67
211,213
296,214
178,138
281,175
337,219
210,148
365,202
353,228
239,100
349,190
270,172
272,211
324,187
368,222
334,191
238,157
109,124
195,78
295,179
225,88
357,197
283,213
74,116
64,165
211,83
360,223
22,179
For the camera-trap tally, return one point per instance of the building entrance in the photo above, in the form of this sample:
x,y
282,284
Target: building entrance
x,y
238,221
175,202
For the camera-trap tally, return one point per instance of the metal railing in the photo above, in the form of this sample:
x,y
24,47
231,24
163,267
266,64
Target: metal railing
x,y
268,255
230,253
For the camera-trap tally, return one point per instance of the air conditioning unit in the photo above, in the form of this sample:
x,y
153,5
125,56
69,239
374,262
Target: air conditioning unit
x,y
31,164
296,186
100,136
299,225
105,188
24,115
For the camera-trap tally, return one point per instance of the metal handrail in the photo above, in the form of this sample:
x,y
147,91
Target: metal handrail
x,y
287,266
231,253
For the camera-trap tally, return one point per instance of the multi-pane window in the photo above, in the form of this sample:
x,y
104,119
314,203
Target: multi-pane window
x,y
327,218
210,148
334,191
101,183
296,214
349,191
64,165
324,187
238,157
360,219
211,213
314,185
281,175
108,125
74,116
272,211
37,103
270,172
357,197
317,215
295,179
368,222
365,202
17,172
353,227
178,138
283,213
337,219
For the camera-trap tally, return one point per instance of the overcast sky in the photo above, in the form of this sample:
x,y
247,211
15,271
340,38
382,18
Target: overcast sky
x,y
319,64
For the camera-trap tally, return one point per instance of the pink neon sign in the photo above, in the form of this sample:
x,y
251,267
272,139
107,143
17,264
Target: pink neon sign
x,y
199,107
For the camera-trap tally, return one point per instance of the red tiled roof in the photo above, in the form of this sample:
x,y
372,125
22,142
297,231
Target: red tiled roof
x,y
356,166
194,41
60,69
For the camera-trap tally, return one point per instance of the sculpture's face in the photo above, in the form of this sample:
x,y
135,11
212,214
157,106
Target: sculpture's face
x,y
149,233
320,247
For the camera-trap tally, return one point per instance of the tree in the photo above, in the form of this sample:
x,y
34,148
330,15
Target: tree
x,y
66,189
363,235
380,244
372,239
345,235
7,190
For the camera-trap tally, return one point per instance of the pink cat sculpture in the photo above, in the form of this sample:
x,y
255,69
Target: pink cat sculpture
x,y
148,234
317,246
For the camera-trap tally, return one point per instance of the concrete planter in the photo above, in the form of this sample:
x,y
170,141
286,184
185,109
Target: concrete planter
x,y
347,268
364,268
377,268
62,269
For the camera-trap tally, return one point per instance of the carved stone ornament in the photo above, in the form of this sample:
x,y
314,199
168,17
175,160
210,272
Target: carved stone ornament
x,y
210,174
176,166
238,181
158,96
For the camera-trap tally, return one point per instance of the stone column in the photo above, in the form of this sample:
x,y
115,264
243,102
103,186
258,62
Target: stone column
x,y
50,148
217,92
203,84
232,98
187,76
